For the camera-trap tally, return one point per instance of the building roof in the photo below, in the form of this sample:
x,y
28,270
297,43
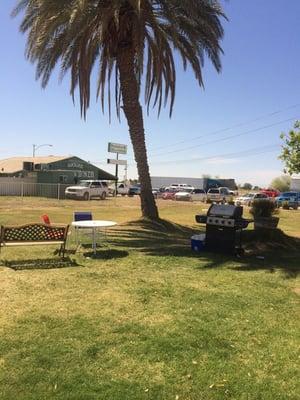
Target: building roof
x,y
15,164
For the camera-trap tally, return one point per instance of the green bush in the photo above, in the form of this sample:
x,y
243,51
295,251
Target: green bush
x,y
263,208
231,201
285,205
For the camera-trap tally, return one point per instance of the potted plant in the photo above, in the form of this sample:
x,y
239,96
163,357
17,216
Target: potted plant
x,y
263,212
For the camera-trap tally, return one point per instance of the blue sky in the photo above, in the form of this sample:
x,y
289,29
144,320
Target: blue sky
x,y
259,80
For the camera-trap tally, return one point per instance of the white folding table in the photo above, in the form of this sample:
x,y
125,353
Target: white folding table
x,y
93,225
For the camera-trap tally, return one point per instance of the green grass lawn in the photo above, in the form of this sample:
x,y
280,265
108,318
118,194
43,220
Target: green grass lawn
x,y
147,318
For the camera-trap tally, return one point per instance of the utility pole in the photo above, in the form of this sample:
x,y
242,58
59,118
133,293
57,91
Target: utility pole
x,y
125,173
35,147
117,171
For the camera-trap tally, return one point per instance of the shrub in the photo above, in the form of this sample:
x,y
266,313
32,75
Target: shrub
x,y
263,208
285,205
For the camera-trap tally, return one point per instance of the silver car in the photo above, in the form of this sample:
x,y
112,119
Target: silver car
x,y
247,199
191,195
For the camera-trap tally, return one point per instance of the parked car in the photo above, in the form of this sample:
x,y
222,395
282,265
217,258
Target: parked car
x,y
134,190
219,195
86,190
290,199
157,193
183,196
270,192
122,189
247,199
181,187
169,194
194,195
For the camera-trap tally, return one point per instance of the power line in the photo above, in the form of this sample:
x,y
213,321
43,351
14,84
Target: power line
x,y
245,153
228,128
225,138
219,131
249,152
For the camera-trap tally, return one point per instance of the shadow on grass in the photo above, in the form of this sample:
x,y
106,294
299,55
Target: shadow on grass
x,y
44,263
275,249
107,254
270,250
289,264
161,238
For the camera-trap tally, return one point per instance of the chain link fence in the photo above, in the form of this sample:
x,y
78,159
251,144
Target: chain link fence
x,y
24,189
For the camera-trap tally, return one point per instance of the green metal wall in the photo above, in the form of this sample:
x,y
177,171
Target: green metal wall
x,y
70,171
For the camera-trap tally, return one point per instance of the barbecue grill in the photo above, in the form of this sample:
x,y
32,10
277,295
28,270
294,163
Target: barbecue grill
x,y
224,225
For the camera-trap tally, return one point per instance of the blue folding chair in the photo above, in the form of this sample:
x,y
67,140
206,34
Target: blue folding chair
x,y
81,216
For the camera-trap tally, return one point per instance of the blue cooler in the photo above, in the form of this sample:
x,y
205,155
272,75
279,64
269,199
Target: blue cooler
x,y
198,242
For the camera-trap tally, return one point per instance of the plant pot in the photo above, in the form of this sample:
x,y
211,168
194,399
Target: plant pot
x,y
266,222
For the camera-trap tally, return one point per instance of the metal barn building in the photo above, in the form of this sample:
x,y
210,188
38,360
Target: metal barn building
x,y
51,169
199,183
295,183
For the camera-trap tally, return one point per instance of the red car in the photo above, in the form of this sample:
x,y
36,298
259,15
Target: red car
x,y
169,195
270,192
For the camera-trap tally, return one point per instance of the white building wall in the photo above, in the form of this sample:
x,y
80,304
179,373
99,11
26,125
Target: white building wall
x,y
295,183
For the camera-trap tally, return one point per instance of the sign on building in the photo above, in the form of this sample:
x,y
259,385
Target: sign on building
x,y
117,148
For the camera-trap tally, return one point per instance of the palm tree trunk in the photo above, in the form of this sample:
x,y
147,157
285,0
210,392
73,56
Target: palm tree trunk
x,y
134,115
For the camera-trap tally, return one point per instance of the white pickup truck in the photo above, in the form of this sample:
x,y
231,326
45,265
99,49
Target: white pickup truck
x,y
122,189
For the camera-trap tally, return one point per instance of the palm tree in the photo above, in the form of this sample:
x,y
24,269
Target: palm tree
x,y
125,39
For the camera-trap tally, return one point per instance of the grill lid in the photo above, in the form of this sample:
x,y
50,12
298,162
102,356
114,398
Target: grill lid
x,y
225,211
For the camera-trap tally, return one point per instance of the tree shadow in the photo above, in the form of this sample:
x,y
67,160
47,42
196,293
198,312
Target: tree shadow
x,y
268,250
160,238
44,263
271,250
107,254
288,264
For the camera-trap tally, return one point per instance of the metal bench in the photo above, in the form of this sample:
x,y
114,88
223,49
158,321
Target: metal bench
x,y
34,234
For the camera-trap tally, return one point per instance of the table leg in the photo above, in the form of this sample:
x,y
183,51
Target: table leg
x,y
94,240
76,236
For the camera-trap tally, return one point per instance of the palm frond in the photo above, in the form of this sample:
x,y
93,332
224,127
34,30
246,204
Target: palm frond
x,y
79,35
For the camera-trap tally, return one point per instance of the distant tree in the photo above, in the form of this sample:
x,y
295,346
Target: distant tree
x,y
290,154
207,176
256,188
281,183
247,186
